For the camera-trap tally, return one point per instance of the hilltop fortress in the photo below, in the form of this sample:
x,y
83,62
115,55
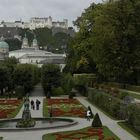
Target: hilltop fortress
x,y
36,22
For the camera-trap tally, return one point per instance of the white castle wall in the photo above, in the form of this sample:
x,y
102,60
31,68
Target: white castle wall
x,y
37,22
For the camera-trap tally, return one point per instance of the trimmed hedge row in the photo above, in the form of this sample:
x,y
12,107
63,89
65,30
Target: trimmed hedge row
x,y
112,105
116,108
119,85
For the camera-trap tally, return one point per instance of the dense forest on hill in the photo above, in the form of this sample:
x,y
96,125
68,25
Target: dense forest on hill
x,y
57,43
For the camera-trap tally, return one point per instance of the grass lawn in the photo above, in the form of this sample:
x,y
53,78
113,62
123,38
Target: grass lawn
x,y
87,134
128,128
63,107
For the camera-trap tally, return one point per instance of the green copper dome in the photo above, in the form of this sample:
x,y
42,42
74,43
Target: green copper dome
x,y
3,44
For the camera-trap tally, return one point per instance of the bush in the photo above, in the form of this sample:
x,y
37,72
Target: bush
x,y
106,102
67,83
96,121
57,91
84,80
20,92
71,95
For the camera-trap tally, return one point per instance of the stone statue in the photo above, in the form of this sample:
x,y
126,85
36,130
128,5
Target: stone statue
x,y
26,103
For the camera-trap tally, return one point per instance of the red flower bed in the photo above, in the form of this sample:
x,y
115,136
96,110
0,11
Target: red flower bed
x,y
62,101
9,102
6,104
91,132
73,111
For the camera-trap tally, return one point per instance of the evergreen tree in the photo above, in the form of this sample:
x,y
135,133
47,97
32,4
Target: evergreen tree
x,y
96,121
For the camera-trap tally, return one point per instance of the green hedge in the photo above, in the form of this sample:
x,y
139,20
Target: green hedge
x,y
116,108
120,85
85,78
82,81
109,104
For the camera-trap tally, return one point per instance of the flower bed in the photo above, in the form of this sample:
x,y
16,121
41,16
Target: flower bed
x,y
8,106
85,134
66,107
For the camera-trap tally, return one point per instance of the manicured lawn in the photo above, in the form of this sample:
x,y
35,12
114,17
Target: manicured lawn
x,y
9,108
128,128
85,134
64,107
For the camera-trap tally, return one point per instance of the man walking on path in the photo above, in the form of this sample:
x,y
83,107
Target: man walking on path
x,y
32,105
88,115
37,104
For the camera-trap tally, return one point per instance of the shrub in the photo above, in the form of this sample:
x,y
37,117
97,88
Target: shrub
x,y
20,92
57,91
71,95
96,121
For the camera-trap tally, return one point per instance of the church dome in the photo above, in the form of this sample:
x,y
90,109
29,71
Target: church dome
x,y
4,47
3,44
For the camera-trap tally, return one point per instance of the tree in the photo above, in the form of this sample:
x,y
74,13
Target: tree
x,y
4,78
25,75
108,39
50,77
14,44
96,121
80,58
67,82
116,40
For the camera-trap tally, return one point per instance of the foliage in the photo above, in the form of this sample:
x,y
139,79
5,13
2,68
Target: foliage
x,y
67,82
57,91
14,44
82,81
96,121
26,75
25,123
134,117
129,128
109,104
4,78
50,77
20,92
108,41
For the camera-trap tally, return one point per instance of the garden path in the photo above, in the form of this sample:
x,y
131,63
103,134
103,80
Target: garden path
x,y
37,135
110,123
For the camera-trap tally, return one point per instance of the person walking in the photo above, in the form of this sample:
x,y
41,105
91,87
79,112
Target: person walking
x,y
37,104
88,114
32,105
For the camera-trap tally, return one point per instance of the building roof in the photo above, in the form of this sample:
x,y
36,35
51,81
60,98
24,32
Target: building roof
x,y
53,61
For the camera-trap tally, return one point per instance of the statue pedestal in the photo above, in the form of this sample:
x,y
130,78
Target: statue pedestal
x,y
26,115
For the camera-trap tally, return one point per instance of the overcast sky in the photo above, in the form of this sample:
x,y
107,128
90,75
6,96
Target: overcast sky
x,y
11,10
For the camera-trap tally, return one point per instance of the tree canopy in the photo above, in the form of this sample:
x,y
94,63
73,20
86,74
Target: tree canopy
x,y
108,41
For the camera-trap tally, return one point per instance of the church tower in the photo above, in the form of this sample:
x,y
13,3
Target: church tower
x,y
25,43
35,43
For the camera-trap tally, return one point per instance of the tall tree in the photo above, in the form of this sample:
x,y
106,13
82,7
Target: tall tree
x,y
51,77
117,38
